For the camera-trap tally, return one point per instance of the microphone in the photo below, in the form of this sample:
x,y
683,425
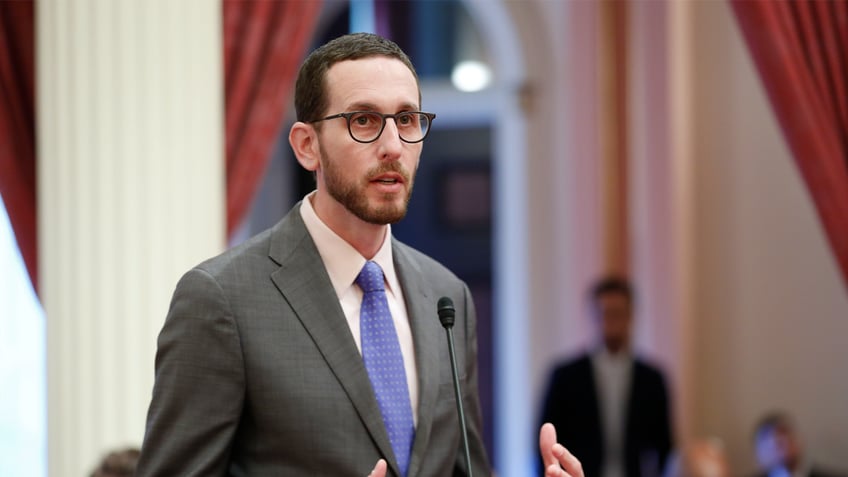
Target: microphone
x,y
447,316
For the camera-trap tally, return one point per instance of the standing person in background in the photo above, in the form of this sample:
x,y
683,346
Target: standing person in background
x,y
610,408
780,451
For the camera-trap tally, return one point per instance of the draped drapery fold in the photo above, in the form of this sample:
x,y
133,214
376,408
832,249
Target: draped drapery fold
x,y
17,127
264,41
801,52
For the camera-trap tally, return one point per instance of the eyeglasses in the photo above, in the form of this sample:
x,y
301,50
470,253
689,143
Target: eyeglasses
x,y
367,126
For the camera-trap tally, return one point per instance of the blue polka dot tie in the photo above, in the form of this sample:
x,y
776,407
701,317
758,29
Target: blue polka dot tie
x,y
384,363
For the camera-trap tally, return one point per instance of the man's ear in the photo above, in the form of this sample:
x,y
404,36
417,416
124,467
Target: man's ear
x,y
304,143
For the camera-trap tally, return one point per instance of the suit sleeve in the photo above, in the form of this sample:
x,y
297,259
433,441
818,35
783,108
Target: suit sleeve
x,y
199,388
471,399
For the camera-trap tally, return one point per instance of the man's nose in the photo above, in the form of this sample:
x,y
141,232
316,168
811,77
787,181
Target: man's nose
x,y
390,139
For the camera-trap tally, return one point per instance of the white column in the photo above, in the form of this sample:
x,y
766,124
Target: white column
x,y
683,208
131,194
660,194
514,419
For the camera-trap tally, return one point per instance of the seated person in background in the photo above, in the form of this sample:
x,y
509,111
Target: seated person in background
x,y
700,458
780,452
611,409
118,463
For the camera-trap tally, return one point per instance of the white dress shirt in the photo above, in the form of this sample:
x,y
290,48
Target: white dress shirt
x,y
612,379
343,264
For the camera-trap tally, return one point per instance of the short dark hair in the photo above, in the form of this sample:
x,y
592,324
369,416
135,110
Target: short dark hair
x,y
118,463
611,284
310,93
772,420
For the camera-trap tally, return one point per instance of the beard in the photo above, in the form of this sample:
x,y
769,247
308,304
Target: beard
x,y
351,192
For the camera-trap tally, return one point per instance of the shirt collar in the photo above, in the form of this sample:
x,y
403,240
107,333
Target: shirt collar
x,y
342,261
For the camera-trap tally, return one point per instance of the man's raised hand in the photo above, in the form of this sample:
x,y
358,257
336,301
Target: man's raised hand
x,y
558,461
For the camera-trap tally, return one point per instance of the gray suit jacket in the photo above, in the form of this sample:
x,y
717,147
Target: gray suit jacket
x,y
257,372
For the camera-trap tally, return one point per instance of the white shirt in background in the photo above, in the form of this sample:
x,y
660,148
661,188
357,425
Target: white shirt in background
x,y
612,380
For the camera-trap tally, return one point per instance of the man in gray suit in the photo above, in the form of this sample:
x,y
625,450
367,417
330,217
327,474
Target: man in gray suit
x,y
261,367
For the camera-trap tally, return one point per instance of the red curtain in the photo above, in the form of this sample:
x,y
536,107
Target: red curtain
x,y
17,127
801,51
264,42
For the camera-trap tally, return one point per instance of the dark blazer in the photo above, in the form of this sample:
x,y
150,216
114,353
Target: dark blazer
x,y
571,404
257,372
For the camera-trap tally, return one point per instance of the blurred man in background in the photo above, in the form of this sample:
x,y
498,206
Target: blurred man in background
x,y
611,409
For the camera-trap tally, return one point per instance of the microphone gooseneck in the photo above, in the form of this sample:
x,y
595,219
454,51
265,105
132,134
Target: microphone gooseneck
x,y
447,316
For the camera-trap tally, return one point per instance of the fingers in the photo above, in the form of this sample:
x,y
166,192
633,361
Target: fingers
x,y
379,469
547,439
570,466
554,470
558,461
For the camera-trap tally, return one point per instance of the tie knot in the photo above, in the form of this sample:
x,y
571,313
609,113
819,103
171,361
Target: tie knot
x,y
370,279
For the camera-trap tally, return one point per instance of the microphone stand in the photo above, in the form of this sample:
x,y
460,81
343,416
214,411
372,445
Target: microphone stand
x,y
447,316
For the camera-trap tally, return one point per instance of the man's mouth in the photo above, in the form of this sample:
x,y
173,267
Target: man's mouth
x,y
388,179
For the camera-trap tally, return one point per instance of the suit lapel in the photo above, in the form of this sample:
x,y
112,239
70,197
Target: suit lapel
x,y
303,281
421,308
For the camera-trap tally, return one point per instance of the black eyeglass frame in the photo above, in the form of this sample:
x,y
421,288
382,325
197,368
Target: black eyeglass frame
x,y
348,115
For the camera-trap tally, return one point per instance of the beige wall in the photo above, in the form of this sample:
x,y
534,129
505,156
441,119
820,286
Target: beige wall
x,y
756,317
771,322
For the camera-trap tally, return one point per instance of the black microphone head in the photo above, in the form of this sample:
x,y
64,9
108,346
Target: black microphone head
x,y
447,313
